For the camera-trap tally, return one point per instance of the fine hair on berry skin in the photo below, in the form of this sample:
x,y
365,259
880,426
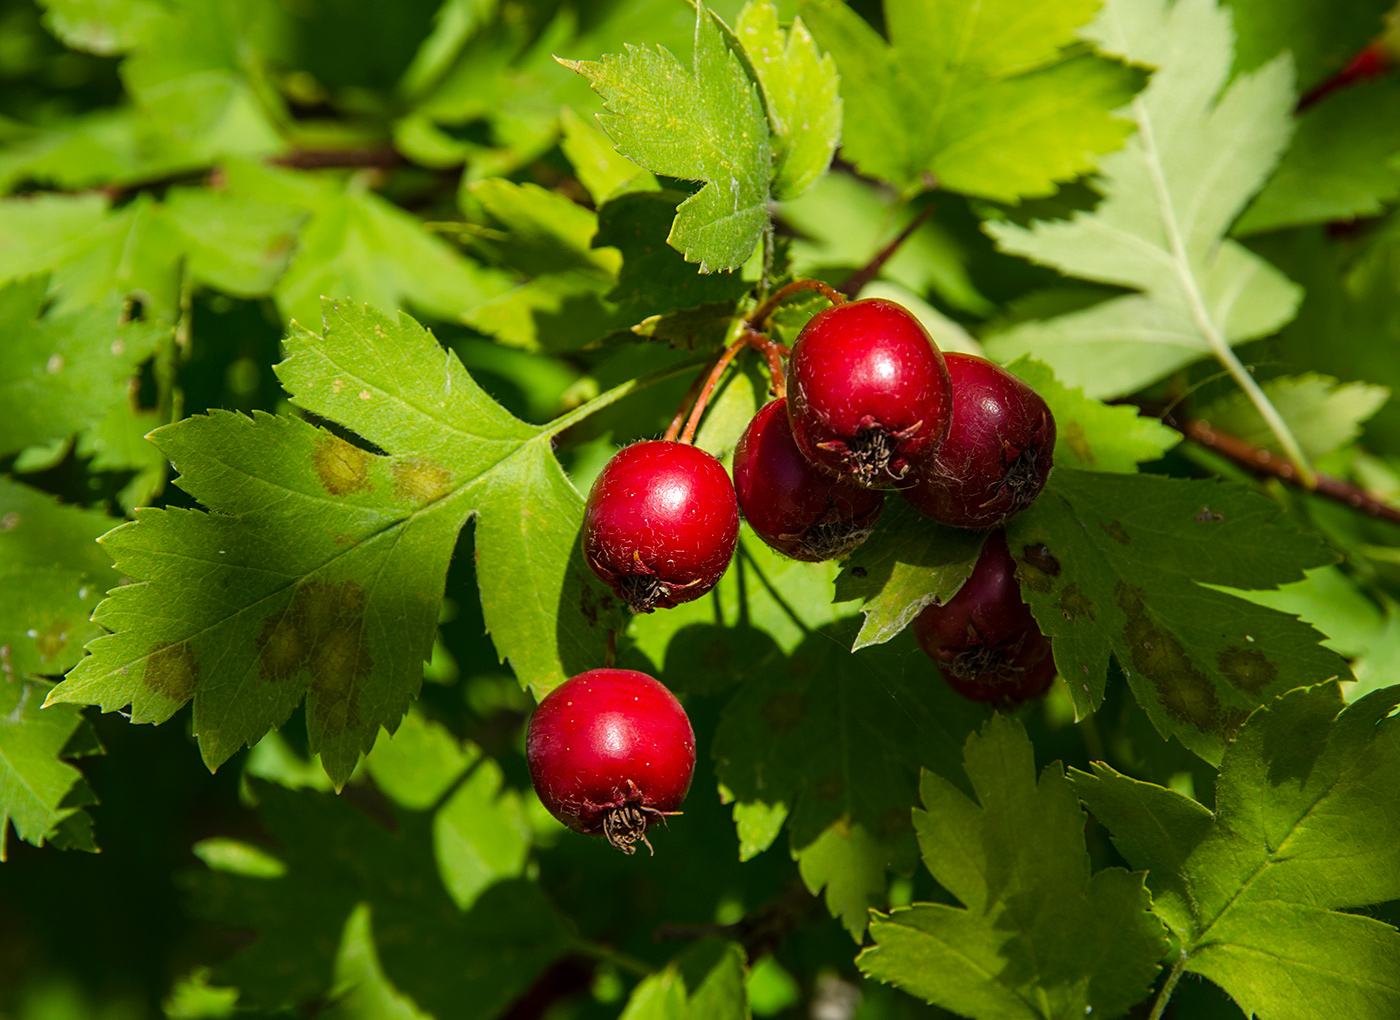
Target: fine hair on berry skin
x,y
998,453
869,396
796,508
984,639
660,524
611,752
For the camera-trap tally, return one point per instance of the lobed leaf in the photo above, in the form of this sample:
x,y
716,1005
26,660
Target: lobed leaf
x,y
988,99
1120,565
1037,936
321,569
702,124
1201,150
1255,890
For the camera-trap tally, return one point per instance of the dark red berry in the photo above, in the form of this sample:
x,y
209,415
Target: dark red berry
x,y
660,524
998,451
799,510
611,751
868,394
984,639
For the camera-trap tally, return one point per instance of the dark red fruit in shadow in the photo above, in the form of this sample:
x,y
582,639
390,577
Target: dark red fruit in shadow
x,y
611,751
984,639
998,452
868,394
660,524
796,508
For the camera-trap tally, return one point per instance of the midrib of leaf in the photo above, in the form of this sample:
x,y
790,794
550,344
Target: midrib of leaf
x,y
1181,266
1198,942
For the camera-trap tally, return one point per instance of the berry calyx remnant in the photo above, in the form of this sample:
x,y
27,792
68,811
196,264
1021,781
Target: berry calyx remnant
x,y
998,452
869,396
660,524
984,639
796,508
610,752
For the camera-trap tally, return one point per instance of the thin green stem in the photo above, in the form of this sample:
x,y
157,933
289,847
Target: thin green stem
x,y
1181,265
622,961
1169,986
612,396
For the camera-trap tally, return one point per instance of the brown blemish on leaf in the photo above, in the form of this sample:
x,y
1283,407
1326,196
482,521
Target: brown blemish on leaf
x,y
1117,532
1185,693
420,481
1078,443
51,641
1038,556
321,632
1074,604
342,468
1205,515
783,711
1247,669
172,672
830,787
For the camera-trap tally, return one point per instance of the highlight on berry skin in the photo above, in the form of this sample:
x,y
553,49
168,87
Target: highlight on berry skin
x,y
661,524
611,752
869,395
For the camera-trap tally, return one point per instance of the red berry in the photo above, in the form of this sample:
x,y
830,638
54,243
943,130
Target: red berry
x,y
660,524
998,451
868,394
611,751
798,510
984,639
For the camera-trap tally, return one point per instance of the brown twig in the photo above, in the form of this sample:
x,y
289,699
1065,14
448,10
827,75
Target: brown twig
x,y
1268,464
760,933
857,281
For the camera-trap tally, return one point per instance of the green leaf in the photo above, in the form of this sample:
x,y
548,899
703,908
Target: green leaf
x,y
1037,936
1255,891
1322,413
63,371
102,26
908,563
654,278
839,740
452,963
1340,166
716,970
800,93
52,573
557,303
1093,436
705,124
604,171
322,568
1115,564
1170,195
995,100
1321,35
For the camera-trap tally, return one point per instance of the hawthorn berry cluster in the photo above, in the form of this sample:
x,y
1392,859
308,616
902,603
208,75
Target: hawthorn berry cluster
x,y
867,404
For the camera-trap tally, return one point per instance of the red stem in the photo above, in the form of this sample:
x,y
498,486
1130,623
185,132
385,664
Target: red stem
x,y
674,429
760,315
688,436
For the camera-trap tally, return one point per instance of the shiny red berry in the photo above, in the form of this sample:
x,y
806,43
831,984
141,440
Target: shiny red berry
x,y
796,508
998,452
869,396
984,639
660,524
611,751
